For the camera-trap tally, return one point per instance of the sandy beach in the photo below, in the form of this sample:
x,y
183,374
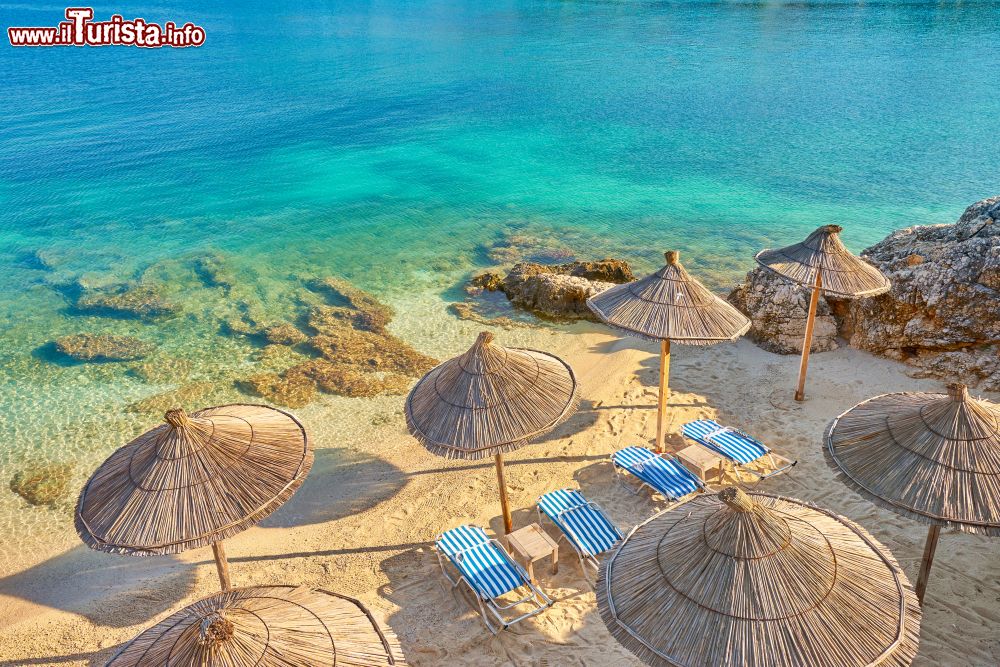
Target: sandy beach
x,y
364,521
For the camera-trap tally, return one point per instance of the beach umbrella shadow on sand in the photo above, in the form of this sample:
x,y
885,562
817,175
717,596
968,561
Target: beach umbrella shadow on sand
x,y
754,580
669,305
934,458
823,264
489,401
268,626
194,482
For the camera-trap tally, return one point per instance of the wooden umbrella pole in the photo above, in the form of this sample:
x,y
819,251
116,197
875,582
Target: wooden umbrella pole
x,y
221,564
661,407
508,524
925,564
800,391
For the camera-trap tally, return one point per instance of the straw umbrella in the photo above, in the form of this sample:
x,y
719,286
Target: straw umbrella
x,y
934,458
265,626
757,580
193,481
822,263
489,401
666,306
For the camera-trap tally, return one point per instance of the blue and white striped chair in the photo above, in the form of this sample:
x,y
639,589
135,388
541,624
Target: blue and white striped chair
x,y
583,525
740,449
660,472
490,573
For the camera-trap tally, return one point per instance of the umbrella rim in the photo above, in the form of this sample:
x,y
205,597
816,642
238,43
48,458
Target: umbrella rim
x,y
390,654
823,289
448,450
898,577
224,532
909,512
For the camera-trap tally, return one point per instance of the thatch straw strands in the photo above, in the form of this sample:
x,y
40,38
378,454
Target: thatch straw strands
x,y
265,626
932,457
194,481
822,263
669,305
757,581
844,275
490,400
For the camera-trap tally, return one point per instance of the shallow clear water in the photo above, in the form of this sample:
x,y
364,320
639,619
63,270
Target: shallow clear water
x,y
393,143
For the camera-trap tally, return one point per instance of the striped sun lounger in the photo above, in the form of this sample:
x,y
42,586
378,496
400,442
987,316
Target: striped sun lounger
x,y
737,447
583,524
663,474
490,573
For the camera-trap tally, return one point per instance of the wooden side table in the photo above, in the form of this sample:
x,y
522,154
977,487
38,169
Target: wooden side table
x,y
701,461
533,544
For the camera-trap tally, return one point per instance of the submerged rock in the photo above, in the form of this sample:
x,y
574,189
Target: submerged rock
x,y
103,347
290,390
164,370
42,484
140,301
345,380
942,311
371,351
356,355
283,334
471,312
214,271
487,281
193,394
373,315
778,310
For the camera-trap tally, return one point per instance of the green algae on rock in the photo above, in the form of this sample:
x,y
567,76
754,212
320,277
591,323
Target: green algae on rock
x,y
103,347
42,484
192,394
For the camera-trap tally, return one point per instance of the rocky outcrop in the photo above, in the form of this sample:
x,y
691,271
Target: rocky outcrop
x,y
778,310
560,291
942,314
943,311
140,301
103,347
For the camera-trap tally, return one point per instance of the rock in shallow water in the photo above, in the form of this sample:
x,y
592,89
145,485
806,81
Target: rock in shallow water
x,y
103,347
139,301
561,291
42,484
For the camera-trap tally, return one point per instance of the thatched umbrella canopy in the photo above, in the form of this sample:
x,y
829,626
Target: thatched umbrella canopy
x,y
757,581
488,401
822,263
931,457
265,626
193,481
669,305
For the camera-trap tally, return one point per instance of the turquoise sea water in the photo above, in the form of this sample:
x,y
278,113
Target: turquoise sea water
x,y
394,143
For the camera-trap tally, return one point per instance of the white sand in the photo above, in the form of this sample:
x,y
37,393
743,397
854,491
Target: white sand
x,y
363,522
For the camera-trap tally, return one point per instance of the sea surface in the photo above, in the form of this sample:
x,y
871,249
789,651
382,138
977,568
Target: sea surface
x,y
404,145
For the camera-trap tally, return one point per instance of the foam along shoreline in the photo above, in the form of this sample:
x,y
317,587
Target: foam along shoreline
x,y
365,518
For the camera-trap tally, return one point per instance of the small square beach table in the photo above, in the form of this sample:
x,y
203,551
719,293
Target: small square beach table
x,y
533,544
700,461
